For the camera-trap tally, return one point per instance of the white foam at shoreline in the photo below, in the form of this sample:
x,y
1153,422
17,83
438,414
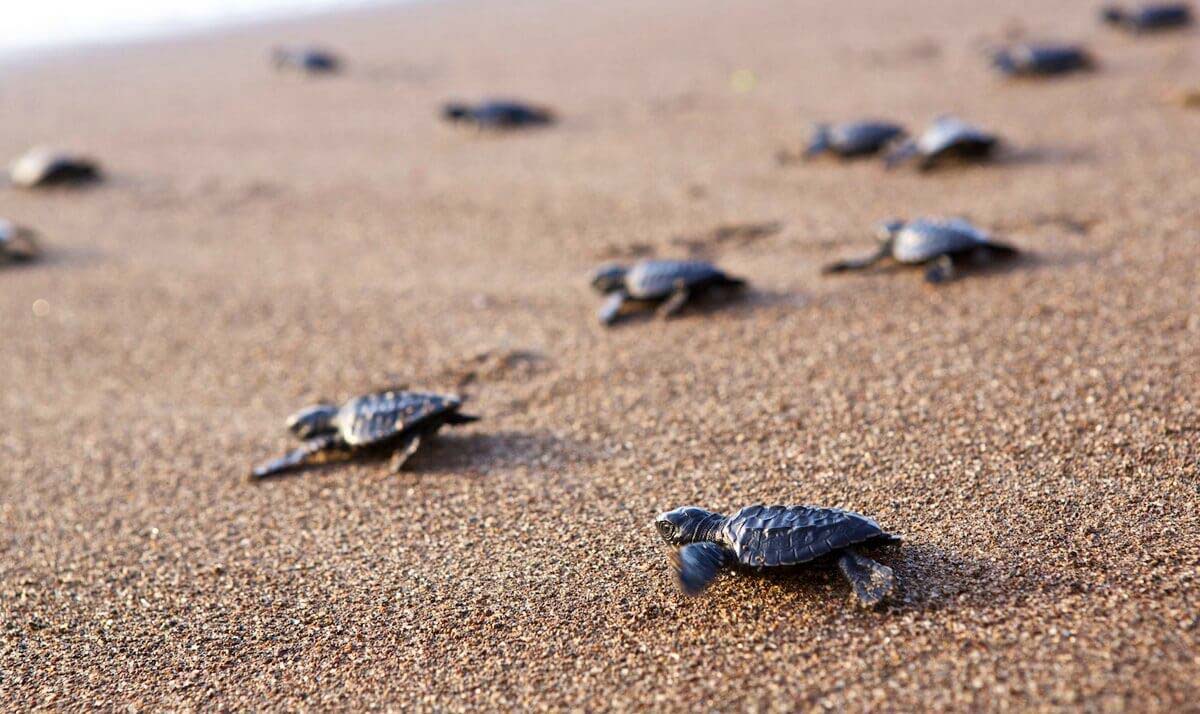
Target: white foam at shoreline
x,y
46,24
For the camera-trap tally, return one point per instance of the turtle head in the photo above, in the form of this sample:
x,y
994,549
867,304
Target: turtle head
x,y
455,111
313,421
887,230
688,524
609,278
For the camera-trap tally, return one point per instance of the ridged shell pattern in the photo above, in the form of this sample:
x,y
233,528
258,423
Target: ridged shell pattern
x,y
771,536
372,418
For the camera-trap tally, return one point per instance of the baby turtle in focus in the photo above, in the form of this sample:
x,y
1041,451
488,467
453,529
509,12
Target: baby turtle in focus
x,y
853,139
17,243
310,60
947,139
668,283
498,114
40,167
1149,18
760,537
394,420
1041,60
944,245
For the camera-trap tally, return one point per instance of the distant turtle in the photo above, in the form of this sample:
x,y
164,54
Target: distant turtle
x,y
947,139
394,420
768,537
1041,60
498,114
853,139
41,167
668,283
17,243
1149,18
310,60
941,244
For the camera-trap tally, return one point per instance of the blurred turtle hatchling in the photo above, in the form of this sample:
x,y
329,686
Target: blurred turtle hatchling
x,y
1045,60
943,245
41,167
307,60
498,114
948,139
391,421
855,139
17,243
759,538
667,284
1148,18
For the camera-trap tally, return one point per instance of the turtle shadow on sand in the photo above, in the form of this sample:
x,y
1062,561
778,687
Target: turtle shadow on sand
x,y
1041,155
469,454
720,301
481,452
928,579
936,579
1061,259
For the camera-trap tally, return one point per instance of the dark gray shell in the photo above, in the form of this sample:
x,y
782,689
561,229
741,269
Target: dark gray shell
x,y
43,167
924,239
947,133
374,418
1030,60
1149,18
775,536
862,137
653,279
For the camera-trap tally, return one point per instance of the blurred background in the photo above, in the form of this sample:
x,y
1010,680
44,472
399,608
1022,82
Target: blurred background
x,y
48,23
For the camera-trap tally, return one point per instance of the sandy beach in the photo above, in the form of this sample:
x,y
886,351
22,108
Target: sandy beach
x,y
264,241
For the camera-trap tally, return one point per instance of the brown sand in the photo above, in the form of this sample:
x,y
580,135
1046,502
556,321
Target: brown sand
x,y
267,240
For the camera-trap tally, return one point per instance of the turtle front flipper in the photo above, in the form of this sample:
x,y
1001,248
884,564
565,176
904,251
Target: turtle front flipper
x,y
697,564
872,581
298,457
845,266
941,270
612,307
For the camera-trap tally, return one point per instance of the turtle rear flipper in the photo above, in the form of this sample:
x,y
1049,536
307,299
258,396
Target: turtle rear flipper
x,y
696,565
872,581
905,151
298,457
675,302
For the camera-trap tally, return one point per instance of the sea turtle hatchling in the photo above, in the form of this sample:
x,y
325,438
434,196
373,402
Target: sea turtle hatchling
x,y
853,139
17,243
498,114
760,537
1046,60
309,60
41,167
947,139
670,284
392,420
941,244
1149,18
